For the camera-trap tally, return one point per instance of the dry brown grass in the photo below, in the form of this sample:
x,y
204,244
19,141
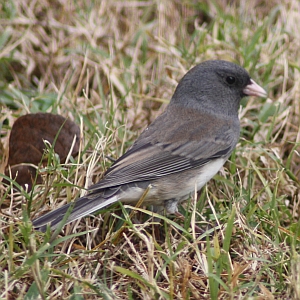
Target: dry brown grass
x,y
111,66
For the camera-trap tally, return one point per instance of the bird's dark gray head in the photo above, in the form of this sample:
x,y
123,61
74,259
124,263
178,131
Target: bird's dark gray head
x,y
214,85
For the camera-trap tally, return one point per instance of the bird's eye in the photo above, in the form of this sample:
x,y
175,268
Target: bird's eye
x,y
230,80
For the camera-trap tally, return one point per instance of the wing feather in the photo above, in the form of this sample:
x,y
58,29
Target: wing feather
x,y
153,160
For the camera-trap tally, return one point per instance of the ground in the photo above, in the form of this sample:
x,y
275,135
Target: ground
x,y
111,67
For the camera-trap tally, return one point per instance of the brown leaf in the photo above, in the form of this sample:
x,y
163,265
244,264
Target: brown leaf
x,y
238,269
267,295
23,174
26,142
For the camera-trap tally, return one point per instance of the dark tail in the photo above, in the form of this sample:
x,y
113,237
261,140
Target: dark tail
x,y
70,212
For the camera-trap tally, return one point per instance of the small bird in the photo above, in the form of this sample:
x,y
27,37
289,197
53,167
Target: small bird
x,y
180,151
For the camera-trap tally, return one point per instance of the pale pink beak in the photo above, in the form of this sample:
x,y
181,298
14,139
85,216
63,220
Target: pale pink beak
x,y
253,89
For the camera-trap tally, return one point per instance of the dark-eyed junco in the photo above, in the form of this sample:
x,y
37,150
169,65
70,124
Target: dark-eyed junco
x,y
180,151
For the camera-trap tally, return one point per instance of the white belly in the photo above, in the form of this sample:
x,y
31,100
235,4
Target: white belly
x,y
161,191
208,172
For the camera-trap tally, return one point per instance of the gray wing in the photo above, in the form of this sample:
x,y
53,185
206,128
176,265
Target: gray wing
x,y
178,148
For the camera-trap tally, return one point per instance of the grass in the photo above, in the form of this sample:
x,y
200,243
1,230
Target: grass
x,y
111,67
